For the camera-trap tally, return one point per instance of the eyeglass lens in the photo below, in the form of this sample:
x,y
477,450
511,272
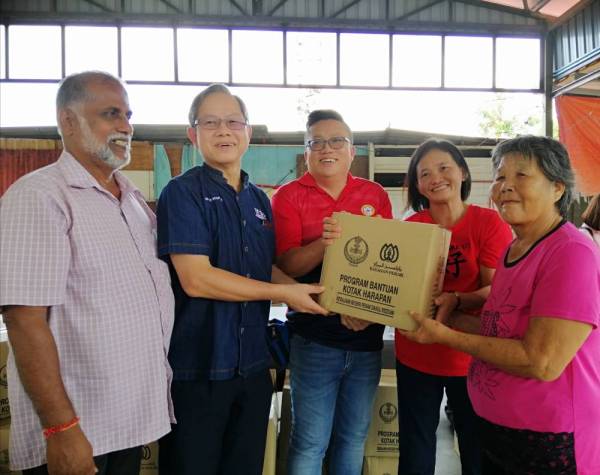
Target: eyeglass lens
x,y
213,123
334,142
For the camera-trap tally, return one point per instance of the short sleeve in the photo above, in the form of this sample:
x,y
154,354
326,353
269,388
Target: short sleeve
x,y
288,223
495,236
386,206
35,252
568,284
181,222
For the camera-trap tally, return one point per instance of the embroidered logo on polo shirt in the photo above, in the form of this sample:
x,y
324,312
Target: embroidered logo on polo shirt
x,y
367,210
213,198
260,214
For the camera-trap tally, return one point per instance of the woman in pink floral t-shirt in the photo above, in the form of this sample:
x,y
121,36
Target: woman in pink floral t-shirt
x,y
535,378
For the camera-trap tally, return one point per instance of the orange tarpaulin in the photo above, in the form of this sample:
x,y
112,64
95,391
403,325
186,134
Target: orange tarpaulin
x,y
579,130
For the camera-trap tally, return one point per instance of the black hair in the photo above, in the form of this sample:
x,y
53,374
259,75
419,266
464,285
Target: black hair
x,y
324,114
415,199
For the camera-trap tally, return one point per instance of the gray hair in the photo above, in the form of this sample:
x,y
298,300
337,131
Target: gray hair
x,y
73,89
324,114
213,89
550,156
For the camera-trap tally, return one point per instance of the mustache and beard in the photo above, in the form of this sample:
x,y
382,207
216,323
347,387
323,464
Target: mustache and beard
x,y
102,150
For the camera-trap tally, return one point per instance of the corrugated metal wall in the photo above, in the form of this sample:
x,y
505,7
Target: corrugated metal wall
x,y
577,42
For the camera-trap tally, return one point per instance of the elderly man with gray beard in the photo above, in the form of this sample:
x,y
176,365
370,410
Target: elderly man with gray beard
x,y
87,304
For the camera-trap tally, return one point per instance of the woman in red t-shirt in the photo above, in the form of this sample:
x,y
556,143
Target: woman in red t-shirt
x,y
439,182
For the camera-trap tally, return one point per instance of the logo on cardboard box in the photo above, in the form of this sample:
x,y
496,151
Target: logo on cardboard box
x,y
149,465
388,412
146,453
389,253
387,263
4,408
356,250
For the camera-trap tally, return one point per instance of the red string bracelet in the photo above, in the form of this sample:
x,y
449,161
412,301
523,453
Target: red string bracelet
x,y
50,431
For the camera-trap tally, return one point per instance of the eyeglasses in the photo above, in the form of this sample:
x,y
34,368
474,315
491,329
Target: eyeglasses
x,y
335,143
213,123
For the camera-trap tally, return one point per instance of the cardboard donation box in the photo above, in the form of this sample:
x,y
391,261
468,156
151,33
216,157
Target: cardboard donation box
x,y
4,459
380,466
379,269
149,465
4,437
271,445
382,439
4,407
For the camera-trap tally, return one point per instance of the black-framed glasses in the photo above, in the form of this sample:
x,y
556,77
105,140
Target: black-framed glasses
x,y
213,123
316,145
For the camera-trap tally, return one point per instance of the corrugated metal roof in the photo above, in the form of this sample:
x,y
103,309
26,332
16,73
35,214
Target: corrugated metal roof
x,y
449,15
552,8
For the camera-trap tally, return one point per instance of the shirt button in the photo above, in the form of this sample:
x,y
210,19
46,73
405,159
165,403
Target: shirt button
x,y
248,275
245,304
241,331
245,248
244,222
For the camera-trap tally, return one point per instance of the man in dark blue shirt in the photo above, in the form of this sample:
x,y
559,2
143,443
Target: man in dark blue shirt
x,y
215,231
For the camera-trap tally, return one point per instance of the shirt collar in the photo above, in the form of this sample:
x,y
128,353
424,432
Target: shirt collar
x,y
77,176
74,172
308,180
218,175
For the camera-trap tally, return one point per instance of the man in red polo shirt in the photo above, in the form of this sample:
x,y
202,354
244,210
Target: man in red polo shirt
x,y
335,361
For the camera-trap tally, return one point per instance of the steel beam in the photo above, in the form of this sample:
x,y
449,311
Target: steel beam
x,y
419,9
344,8
277,7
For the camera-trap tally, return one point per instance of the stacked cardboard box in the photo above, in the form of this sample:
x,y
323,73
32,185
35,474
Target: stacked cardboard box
x,y
149,465
269,463
4,407
381,447
380,466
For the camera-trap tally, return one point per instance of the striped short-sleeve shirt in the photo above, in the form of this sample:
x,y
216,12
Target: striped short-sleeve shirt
x,y
68,244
